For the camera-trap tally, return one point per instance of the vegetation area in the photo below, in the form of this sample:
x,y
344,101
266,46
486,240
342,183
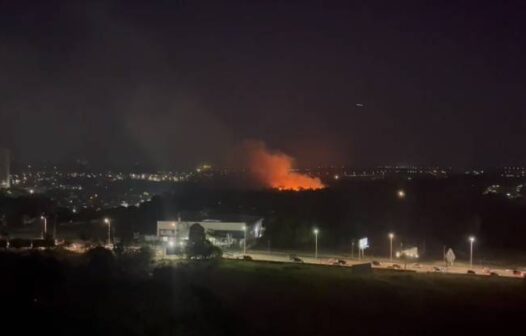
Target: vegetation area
x,y
125,294
433,213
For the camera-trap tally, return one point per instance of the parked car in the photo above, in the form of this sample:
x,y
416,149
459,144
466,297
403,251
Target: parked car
x,y
471,272
247,257
375,263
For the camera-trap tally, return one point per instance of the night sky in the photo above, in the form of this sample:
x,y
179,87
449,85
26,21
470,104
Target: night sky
x,y
171,84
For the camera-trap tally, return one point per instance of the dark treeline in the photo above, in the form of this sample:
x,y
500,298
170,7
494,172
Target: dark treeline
x,y
433,213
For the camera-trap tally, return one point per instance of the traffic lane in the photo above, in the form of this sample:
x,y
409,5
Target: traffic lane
x,y
417,267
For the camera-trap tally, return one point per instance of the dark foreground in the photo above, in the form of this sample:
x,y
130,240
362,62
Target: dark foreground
x,y
100,294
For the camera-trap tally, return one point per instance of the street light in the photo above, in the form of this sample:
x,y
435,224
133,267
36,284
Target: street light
x,y
45,226
401,193
245,240
391,236
315,243
471,241
108,222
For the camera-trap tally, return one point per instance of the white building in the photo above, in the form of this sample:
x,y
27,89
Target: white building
x,y
225,234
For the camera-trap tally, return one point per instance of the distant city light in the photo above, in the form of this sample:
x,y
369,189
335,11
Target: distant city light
x,y
401,193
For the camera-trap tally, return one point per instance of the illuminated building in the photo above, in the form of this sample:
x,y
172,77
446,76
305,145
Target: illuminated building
x,y
220,233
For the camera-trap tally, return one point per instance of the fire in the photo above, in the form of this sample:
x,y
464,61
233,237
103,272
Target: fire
x,y
275,170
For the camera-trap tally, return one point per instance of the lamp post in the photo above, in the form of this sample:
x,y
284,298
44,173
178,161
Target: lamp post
x,y
44,219
108,222
391,236
315,243
401,193
245,240
471,241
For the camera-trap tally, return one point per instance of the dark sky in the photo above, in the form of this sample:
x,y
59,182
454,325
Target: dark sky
x,y
176,83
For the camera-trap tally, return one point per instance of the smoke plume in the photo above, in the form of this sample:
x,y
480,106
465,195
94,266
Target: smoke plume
x,y
275,169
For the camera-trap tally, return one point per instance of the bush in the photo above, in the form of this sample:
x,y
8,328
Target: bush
x,y
101,262
216,253
205,250
199,247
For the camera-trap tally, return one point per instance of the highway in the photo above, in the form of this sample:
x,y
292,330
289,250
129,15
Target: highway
x,y
412,265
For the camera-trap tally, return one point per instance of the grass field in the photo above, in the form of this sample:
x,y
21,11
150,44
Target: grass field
x,y
98,293
273,298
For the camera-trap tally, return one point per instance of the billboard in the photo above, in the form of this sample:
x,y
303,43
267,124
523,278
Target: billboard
x,y
363,243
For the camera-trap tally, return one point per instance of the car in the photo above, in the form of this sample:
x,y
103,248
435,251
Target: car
x,y
395,266
517,272
437,269
471,272
340,262
297,259
493,274
247,257
375,263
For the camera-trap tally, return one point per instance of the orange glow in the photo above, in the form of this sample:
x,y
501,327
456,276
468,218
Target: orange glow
x,y
274,170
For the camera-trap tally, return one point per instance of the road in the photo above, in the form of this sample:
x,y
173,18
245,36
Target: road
x,y
413,265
